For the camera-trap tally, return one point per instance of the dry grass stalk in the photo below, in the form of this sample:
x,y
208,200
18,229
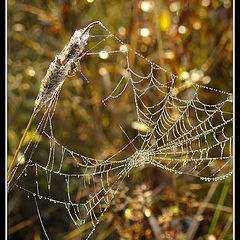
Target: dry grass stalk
x,y
65,64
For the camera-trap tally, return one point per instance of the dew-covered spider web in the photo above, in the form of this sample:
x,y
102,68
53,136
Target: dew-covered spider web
x,y
177,125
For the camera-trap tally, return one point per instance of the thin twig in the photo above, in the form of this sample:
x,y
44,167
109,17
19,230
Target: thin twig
x,y
155,227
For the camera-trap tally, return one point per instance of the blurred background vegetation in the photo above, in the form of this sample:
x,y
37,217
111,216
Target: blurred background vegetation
x,y
192,39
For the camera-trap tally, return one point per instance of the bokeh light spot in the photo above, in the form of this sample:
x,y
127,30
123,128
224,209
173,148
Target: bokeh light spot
x,y
182,29
103,54
144,32
146,6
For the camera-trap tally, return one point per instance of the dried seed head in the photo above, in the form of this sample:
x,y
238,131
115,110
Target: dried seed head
x,y
75,46
61,66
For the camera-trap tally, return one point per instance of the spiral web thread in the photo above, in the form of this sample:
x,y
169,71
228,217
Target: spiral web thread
x,y
182,135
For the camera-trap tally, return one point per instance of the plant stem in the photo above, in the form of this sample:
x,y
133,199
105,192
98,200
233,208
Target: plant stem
x,y
157,11
218,210
226,228
19,146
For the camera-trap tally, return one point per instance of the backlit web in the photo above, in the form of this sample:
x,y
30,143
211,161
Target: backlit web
x,y
178,126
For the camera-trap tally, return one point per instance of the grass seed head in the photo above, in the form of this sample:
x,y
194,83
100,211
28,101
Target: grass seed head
x,y
61,66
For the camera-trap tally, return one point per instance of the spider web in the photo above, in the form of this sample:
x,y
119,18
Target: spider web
x,y
180,131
